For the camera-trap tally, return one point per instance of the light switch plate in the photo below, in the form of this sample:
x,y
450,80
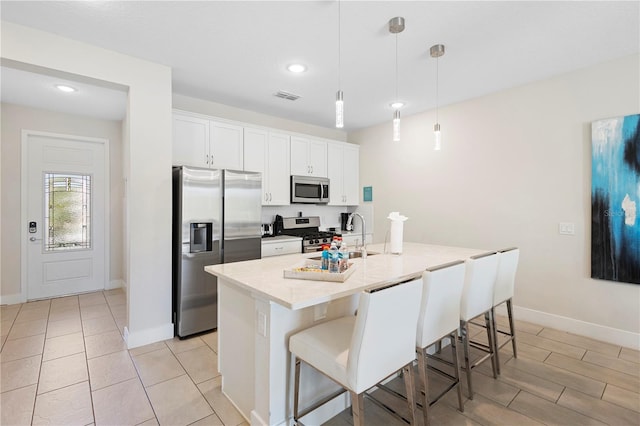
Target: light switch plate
x,y
567,228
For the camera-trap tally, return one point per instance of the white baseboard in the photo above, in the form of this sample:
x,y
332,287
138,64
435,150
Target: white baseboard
x,y
114,284
603,333
145,337
11,299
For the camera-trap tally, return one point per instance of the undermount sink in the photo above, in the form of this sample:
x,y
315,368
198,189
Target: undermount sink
x,y
356,254
352,255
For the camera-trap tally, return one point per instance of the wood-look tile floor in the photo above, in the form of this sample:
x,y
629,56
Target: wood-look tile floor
x,y
557,379
63,361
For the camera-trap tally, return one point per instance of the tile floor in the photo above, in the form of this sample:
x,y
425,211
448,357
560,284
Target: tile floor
x,y
63,362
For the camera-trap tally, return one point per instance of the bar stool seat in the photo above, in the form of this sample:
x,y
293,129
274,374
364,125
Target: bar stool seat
x,y
439,318
503,293
357,352
477,300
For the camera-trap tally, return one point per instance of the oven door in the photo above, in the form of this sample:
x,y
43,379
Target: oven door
x,y
309,190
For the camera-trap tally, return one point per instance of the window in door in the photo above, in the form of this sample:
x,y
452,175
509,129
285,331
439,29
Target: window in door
x,y
67,211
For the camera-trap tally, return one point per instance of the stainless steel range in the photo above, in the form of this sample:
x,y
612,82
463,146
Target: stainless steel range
x,y
307,227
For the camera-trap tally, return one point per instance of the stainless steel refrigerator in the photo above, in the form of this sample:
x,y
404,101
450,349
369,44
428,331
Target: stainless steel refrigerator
x,y
216,219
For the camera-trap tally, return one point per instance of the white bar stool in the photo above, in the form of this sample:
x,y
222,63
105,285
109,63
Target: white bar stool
x,y
477,299
440,318
503,293
357,352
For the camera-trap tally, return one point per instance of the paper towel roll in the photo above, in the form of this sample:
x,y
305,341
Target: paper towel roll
x,y
395,241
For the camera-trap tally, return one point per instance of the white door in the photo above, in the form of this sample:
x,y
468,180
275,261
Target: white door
x,y
64,194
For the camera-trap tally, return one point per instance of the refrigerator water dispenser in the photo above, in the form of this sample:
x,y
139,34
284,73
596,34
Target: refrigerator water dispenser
x,y
200,237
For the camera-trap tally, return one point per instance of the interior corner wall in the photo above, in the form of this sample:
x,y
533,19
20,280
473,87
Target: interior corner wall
x,y
14,119
513,165
147,164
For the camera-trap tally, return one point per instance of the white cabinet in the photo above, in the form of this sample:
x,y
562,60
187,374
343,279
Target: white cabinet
x,y
205,143
343,172
268,153
354,240
276,246
225,146
308,157
190,141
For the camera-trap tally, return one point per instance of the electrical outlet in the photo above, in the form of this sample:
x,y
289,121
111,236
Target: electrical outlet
x,y
320,311
567,228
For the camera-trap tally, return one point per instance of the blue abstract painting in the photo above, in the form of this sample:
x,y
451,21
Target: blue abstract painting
x,y
615,195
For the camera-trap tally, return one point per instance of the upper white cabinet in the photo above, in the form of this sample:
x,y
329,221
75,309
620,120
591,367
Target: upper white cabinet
x,y
343,172
205,143
225,146
190,141
268,153
308,157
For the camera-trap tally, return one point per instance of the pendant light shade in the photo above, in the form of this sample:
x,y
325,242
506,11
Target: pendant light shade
x,y
396,126
339,109
436,133
339,94
436,51
396,25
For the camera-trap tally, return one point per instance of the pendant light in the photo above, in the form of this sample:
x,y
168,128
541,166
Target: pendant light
x,y
396,25
339,94
436,51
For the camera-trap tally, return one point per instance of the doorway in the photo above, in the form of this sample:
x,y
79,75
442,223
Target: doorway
x,y
65,202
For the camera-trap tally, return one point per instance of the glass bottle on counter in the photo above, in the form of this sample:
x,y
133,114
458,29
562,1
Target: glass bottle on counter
x,y
325,257
334,258
344,256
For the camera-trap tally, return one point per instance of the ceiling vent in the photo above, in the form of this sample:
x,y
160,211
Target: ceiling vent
x,y
286,95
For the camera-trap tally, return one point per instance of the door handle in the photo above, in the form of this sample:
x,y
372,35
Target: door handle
x,y
34,239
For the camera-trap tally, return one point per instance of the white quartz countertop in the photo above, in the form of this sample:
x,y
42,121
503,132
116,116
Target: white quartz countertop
x,y
264,277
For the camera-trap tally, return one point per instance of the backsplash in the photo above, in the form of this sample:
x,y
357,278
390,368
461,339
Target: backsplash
x,y
329,215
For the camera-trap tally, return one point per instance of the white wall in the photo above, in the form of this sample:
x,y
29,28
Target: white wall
x,y
147,164
513,165
15,118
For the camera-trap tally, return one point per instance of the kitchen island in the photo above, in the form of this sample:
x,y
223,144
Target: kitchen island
x,y
258,309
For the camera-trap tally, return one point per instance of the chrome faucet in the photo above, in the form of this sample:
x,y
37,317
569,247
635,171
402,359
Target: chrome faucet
x,y
363,249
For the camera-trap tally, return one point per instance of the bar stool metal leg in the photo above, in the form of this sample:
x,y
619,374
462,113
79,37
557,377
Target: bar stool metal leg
x,y
496,347
512,327
488,320
424,379
357,408
409,384
456,367
464,331
296,392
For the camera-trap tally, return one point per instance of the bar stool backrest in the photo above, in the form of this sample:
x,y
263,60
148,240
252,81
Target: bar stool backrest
x,y
479,281
384,333
440,306
506,277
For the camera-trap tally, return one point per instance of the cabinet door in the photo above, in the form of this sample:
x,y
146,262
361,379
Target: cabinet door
x,y
317,158
226,146
335,174
255,155
299,155
190,141
278,169
351,174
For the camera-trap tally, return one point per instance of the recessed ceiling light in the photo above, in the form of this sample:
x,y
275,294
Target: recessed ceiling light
x,y
297,68
396,105
65,88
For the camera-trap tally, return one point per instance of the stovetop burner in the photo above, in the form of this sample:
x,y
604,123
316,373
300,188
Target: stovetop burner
x,y
308,229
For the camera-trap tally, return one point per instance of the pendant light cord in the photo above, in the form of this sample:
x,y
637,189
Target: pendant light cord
x,y
437,86
396,67
339,46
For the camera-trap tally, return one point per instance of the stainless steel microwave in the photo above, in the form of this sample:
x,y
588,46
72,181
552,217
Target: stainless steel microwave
x,y
309,190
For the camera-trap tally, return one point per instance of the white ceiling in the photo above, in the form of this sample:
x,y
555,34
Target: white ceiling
x,y
235,52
